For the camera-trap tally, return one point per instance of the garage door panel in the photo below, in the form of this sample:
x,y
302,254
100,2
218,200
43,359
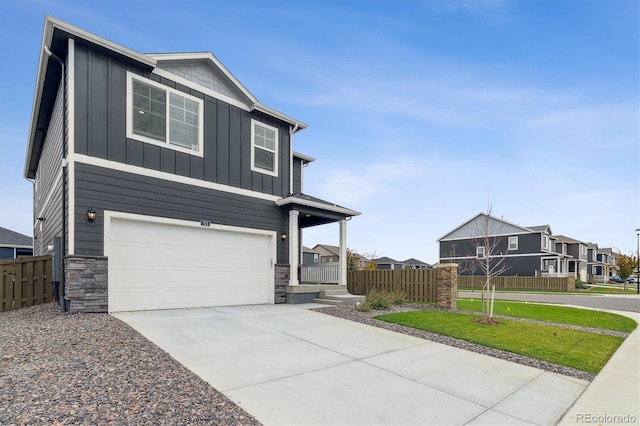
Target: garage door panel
x,y
158,266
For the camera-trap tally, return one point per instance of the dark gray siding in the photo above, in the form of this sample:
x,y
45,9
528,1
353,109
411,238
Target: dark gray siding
x,y
106,189
297,175
525,266
47,197
100,130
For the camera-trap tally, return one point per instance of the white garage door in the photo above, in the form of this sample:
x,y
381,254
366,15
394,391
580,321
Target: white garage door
x,y
162,266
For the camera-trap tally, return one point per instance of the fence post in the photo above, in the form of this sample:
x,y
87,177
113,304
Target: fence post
x,y
447,285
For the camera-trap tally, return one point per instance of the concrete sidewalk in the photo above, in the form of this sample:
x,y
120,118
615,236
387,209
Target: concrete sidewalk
x,y
613,397
289,365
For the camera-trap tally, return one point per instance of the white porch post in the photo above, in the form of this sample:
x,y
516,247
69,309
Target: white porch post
x,y
294,245
342,261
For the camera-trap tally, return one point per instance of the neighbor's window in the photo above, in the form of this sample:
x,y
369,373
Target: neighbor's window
x,y
513,243
480,252
545,242
264,148
163,116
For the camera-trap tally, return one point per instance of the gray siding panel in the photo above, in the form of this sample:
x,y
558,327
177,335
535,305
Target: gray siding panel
x,y
100,129
49,169
297,175
106,189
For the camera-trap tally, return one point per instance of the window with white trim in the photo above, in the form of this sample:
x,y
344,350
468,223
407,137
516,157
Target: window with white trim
x,y
264,148
545,242
480,252
163,116
513,243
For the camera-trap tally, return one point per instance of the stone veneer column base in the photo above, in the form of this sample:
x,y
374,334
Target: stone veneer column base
x,y
280,283
86,280
447,285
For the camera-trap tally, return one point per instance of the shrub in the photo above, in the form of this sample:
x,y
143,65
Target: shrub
x,y
382,300
580,284
364,306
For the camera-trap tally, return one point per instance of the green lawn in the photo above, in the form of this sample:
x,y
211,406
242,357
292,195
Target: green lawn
x,y
608,290
550,313
577,349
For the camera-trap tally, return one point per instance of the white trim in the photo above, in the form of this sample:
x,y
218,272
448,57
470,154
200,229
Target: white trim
x,y
128,168
110,214
294,246
481,252
168,90
322,206
499,255
176,57
509,242
492,235
56,182
275,152
270,111
205,90
303,157
71,171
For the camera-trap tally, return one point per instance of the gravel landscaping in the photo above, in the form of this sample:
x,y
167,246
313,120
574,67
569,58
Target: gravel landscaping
x,y
60,369
351,313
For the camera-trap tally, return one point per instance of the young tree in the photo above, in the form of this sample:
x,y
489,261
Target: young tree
x,y
487,258
626,266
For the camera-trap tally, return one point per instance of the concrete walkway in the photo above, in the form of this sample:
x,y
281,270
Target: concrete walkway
x,y
613,397
288,365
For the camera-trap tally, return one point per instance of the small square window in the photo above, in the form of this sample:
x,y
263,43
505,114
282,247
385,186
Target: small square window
x,y
480,253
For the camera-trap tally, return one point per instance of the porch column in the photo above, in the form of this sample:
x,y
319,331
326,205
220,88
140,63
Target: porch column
x,y
293,247
342,261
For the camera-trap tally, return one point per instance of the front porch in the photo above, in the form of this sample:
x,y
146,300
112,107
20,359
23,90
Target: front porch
x,y
306,283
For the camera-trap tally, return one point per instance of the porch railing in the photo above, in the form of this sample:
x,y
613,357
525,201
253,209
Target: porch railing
x,y
325,273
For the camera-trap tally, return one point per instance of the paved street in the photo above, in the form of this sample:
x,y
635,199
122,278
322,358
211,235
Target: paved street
x,y
629,303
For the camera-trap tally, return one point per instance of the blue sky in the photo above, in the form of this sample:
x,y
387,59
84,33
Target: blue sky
x,y
419,112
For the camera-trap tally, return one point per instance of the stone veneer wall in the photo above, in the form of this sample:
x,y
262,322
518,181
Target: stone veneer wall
x,y
86,279
281,281
447,285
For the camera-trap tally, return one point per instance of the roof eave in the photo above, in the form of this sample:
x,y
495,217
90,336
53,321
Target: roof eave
x,y
50,25
309,203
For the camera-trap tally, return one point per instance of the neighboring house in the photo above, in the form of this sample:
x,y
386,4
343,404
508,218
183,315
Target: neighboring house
x,y
578,252
388,263
13,244
310,256
605,265
162,181
327,253
528,251
416,264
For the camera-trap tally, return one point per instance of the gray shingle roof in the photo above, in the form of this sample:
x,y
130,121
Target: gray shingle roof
x,y
12,238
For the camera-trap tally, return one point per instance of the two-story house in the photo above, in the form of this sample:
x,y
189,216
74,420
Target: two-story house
x,y
527,251
578,252
160,181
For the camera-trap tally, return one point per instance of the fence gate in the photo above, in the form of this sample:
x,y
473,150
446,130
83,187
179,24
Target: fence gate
x,y
26,281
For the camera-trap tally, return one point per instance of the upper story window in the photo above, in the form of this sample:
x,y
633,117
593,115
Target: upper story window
x,y
546,243
163,116
264,148
513,243
480,253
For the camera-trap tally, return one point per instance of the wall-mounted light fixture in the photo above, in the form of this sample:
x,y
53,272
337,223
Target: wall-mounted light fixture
x,y
283,236
91,215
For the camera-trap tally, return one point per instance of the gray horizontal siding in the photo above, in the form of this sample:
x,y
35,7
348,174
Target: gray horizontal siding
x,y
100,129
297,175
49,167
106,189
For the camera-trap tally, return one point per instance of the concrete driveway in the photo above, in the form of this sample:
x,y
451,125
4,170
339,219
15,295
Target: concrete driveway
x,y
285,364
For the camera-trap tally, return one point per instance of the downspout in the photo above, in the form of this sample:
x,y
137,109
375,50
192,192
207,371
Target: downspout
x,y
63,303
292,130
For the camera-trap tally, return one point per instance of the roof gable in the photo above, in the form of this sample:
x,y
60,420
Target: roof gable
x,y
472,228
9,238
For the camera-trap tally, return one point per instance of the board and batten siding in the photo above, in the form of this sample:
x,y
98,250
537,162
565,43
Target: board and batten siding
x,y
47,196
106,189
297,175
100,129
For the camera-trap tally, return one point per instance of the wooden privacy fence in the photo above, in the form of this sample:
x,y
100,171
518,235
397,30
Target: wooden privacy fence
x,y
26,281
418,284
519,283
